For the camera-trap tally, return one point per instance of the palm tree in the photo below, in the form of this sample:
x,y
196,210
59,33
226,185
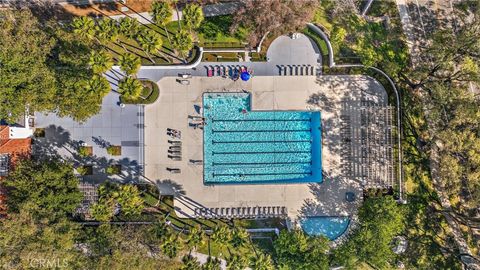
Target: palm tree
x,y
106,30
97,86
84,27
193,16
171,246
161,230
162,15
129,63
183,42
150,42
211,264
100,61
239,238
221,235
129,27
237,262
190,263
261,262
130,88
195,237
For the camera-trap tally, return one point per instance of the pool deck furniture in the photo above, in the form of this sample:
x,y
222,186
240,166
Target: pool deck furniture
x,y
334,96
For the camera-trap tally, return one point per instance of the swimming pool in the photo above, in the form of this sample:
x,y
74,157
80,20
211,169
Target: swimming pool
x,y
331,227
242,145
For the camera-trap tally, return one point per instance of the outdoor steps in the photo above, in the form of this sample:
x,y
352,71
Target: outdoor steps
x,y
241,212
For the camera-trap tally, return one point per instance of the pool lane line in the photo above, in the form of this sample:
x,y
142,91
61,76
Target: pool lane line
x,y
297,141
259,174
262,163
260,120
256,131
262,152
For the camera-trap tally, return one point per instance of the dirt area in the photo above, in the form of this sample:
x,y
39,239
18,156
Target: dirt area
x,y
107,9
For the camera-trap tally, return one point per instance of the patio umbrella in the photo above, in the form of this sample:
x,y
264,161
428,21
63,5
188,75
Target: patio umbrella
x,y
245,76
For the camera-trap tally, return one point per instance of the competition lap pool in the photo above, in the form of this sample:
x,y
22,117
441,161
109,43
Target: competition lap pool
x,y
242,145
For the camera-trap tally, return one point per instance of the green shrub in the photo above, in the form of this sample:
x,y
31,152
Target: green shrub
x,y
113,169
85,151
114,150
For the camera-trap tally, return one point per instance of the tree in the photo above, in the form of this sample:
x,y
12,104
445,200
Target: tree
x,y
171,246
161,12
275,16
98,87
130,88
190,263
125,247
211,264
106,30
25,78
380,220
100,61
183,42
150,41
35,234
129,27
237,262
195,237
84,27
129,63
221,235
51,185
126,198
193,16
239,238
296,250
261,262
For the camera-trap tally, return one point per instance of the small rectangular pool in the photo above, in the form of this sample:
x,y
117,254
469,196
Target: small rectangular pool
x,y
242,145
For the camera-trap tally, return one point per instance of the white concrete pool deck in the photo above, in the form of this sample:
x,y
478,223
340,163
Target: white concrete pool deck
x,y
329,94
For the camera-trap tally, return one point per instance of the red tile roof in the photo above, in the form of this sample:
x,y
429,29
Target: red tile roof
x,y
16,149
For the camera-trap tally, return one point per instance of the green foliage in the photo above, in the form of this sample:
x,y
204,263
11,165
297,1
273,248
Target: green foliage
x,y
107,30
126,197
129,63
193,15
261,262
114,150
84,27
85,151
211,264
113,169
190,263
237,262
221,235
195,237
240,238
171,246
32,235
149,40
130,88
296,250
100,62
51,185
161,12
129,27
25,78
380,220
82,170
183,41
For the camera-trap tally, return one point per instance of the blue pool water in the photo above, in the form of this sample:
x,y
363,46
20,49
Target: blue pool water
x,y
242,145
331,227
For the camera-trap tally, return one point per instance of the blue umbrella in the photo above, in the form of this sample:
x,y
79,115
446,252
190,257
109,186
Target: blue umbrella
x,y
245,76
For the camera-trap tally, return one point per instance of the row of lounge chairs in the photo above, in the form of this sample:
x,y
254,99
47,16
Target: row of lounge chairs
x,y
242,212
175,151
295,70
226,71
